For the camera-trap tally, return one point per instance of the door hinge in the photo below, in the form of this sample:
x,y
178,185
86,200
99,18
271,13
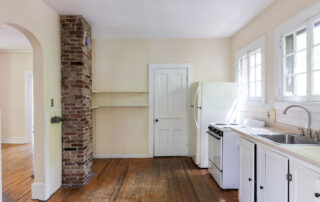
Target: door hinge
x,y
289,177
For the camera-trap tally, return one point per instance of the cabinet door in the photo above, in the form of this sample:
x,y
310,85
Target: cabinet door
x,y
246,169
305,185
272,170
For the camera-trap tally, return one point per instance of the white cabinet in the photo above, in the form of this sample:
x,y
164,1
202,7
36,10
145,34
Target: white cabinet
x,y
272,171
279,177
305,184
246,169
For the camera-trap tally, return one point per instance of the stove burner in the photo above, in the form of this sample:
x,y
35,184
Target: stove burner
x,y
220,124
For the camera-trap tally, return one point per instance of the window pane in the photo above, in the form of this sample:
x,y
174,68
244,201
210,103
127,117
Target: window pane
x,y
252,60
243,76
252,74
288,91
301,39
258,89
258,57
316,33
301,62
252,89
258,73
316,83
289,65
316,57
300,85
289,44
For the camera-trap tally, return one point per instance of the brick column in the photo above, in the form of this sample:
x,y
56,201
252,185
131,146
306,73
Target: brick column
x,y
76,89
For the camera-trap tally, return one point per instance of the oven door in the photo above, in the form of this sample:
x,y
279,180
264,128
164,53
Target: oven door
x,y
215,149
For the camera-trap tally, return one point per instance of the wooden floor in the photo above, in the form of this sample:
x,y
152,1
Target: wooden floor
x,y
16,172
157,179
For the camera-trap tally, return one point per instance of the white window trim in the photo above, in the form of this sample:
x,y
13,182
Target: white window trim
x,y
258,44
282,30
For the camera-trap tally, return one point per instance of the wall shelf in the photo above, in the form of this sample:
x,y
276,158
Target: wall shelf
x,y
107,106
119,99
118,92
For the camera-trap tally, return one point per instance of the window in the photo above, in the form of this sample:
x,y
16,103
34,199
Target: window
x,y
295,63
299,64
250,72
315,70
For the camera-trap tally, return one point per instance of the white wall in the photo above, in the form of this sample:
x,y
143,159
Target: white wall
x,y
12,93
121,65
40,24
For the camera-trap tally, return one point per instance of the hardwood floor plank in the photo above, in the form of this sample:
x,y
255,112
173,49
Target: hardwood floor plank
x,y
16,172
144,180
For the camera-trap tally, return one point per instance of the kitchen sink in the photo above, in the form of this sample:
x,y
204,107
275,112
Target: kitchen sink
x,y
289,139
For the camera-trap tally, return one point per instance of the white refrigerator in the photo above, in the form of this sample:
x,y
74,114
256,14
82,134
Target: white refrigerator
x,y
211,102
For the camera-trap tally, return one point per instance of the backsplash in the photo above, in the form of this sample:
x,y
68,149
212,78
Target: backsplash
x,y
251,111
294,118
298,117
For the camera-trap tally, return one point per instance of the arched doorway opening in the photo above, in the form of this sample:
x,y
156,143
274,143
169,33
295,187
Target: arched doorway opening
x,y
33,96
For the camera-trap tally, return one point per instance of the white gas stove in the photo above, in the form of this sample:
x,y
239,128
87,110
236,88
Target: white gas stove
x,y
224,155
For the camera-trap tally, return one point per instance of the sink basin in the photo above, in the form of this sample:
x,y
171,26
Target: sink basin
x,y
289,139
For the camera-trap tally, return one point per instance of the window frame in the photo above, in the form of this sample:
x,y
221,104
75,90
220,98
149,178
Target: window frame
x,y
246,51
307,19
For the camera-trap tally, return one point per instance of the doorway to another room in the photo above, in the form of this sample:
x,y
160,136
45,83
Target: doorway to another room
x,y
17,114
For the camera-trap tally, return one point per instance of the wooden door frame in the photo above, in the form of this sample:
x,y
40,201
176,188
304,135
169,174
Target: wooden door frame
x,y
152,69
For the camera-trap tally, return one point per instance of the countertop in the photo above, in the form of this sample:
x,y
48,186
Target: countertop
x,y
307,153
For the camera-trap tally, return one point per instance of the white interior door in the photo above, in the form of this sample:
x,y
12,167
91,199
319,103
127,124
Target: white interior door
x,y
170,112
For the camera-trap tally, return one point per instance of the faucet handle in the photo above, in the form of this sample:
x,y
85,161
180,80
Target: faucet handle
x,y
301,131
316,135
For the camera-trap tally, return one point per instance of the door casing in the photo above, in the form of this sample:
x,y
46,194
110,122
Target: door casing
x,y
152,68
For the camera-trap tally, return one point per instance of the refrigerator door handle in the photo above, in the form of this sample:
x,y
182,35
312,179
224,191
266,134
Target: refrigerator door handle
x,y
195,108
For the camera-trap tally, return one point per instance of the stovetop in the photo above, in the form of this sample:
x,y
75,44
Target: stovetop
x,y
223,126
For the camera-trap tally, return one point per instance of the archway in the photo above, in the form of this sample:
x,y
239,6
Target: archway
x,y
39,122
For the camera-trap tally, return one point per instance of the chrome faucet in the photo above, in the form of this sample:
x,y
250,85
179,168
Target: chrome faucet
x,y
309,117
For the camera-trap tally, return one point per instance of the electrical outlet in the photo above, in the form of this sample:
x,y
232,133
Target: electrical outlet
x,y
52,102
271,114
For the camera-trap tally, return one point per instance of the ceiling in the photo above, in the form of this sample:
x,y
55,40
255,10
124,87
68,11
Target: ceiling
x,y
163,18
12,40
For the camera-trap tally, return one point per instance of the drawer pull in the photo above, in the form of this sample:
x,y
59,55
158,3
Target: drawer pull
x,y
249,179
317,195
261,187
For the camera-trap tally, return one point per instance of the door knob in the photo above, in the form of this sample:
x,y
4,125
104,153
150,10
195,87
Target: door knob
x,y
249,179
261,187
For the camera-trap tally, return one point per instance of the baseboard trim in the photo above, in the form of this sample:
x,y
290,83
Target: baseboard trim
x,y
14,140
110,156
39,191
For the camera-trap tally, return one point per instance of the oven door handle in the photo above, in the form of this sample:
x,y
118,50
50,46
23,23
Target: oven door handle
x,y
218,138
